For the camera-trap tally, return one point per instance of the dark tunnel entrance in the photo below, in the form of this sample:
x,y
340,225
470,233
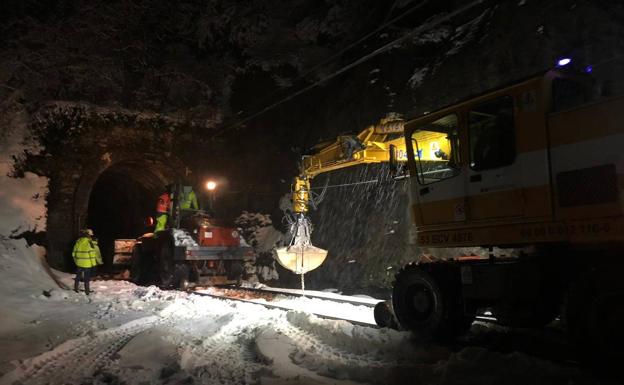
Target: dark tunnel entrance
x,y
121,199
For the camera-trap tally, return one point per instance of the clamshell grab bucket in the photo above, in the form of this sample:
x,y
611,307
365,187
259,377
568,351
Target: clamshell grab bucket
x,y
300,258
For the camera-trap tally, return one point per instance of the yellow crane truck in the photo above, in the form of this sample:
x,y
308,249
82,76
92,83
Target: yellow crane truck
x,y
376,144
517,196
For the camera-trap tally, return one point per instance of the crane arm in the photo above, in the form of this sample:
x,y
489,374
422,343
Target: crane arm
x,y
380,143
383,142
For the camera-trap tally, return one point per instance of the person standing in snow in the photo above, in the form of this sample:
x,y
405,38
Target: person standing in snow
x,y
86,256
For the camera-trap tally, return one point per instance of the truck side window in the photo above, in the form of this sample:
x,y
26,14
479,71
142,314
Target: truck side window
x,y
492,134
436,149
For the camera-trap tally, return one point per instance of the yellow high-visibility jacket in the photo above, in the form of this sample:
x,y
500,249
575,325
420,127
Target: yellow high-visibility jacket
x,y
86,253
161,223
188,199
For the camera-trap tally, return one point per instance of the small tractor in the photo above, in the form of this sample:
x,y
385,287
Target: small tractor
x,y
195,250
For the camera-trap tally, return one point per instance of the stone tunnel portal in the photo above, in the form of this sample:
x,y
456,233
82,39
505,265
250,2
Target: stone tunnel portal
x,y
122,197
112,198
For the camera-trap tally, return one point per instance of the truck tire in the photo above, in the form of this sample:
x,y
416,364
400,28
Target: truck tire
x,y
142,266
166,265
428,302
235,271
182,276
136,271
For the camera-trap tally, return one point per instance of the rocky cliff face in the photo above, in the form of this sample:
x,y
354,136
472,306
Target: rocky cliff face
x,y
166,84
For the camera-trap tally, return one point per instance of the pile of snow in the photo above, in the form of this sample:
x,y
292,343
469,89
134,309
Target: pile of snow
x,y
21,270
258,231
183,238
268,272
22,208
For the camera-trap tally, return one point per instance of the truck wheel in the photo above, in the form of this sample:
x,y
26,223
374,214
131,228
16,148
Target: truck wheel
x,y
181,276
136,266
429,303
165,264
235,272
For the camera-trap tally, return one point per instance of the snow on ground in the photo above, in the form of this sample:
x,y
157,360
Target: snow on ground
x,y
330,309
130,334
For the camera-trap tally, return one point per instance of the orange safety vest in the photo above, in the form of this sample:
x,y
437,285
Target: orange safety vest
x,y
163,204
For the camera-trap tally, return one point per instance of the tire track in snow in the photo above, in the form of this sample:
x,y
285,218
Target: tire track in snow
x,y
231,356
78,358
227,357
312,350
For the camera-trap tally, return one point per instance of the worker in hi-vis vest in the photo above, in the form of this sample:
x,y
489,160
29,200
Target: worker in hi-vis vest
x,y
188,200
86,256
162,210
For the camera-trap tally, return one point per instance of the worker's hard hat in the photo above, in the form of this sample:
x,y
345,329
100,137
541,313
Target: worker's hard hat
x,y
88,232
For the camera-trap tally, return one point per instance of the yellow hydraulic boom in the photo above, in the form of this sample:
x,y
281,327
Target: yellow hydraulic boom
x,y
383,142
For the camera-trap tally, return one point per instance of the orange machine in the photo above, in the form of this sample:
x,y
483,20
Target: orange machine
x,y
532,181
194,250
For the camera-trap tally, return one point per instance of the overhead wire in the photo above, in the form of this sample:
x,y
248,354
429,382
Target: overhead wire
x,y
352,45
345,184
355,63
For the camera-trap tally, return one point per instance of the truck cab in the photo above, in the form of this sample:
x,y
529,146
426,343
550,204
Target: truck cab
x,y
535,162
517,197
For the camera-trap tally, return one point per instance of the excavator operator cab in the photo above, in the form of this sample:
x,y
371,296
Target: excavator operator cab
x,y
435,147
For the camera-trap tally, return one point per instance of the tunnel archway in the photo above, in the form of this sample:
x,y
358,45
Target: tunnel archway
x,y
122,196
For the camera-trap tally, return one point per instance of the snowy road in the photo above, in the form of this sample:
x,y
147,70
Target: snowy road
x,y
130,334
207,341
127,334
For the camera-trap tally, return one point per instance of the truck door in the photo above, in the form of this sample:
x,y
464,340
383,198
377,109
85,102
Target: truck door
x,y
439,184
494,174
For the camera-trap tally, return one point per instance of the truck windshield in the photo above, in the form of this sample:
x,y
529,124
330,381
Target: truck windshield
x,y
436,149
